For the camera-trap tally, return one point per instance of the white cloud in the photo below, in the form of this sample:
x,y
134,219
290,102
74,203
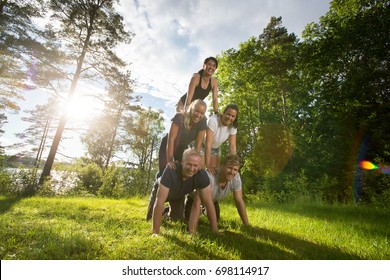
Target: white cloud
x,y
174,37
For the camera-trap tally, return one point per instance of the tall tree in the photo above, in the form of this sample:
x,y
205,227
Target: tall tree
x,y
346,69
34,138
259,78
101,139
30,59
142,135
20,46
90,30
3,120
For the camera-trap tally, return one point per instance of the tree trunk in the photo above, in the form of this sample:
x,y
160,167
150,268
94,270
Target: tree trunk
x,y
61,126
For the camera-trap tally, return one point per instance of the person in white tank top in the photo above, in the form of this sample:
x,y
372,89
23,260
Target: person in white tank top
x,y
220,128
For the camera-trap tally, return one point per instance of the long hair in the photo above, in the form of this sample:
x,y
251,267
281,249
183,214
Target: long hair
x,y
233,107
190,110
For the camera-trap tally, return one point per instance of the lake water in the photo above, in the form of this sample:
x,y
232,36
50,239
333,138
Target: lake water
x,y
61,180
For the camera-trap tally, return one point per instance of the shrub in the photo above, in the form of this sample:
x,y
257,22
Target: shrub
x,y
5,183
5,178
284,187
24,182
325,188
111,185
373,188
46,189
135,183
90,178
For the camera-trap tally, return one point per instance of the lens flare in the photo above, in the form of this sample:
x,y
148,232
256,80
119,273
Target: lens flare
x,y
365,164
385,170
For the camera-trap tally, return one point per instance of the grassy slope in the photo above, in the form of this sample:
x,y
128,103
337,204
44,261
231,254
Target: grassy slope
x,y
94,228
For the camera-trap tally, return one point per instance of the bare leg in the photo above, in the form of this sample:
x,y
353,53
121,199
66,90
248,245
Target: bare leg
x,y
180,107
177,209
152,199
214,161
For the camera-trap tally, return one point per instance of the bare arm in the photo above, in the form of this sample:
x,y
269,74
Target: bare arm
x,y
173,133
214,89
207,199
195,213
232,144
191,89
240,205
199,139
162,194
209,140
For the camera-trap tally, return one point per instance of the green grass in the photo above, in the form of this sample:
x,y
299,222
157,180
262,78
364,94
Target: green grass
x,y
93,228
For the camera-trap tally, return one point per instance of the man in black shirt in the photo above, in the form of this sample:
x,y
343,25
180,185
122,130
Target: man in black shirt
x,y
175,183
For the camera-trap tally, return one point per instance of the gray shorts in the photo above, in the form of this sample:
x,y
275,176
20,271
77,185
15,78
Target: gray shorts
x,y
214,151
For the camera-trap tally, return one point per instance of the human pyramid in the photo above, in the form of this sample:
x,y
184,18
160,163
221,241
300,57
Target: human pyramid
x,y
190,173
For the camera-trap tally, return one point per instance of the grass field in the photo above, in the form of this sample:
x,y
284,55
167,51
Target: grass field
x,y
63,228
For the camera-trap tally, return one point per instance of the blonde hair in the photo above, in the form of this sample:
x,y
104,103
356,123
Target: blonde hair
x,y
190,110
190,152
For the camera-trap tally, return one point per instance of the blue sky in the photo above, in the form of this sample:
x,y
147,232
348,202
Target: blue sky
x,y
173,37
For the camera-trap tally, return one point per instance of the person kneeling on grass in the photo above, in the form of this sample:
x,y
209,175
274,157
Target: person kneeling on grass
x,y
174,184
226,180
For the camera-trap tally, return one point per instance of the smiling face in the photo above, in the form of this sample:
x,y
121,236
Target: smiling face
x,y
228,117
231,170
190,165
198,113
209,67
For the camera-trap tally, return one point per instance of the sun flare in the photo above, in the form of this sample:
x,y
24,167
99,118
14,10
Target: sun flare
x,y
81,108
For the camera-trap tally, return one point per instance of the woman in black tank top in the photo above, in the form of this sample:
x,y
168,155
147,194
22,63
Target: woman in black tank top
x,y
200,86
199,93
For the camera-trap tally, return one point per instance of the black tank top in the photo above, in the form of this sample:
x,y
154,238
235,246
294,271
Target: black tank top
x,y
199,92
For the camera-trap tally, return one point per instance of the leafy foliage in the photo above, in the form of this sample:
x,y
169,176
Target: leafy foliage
x,y
20,48
308,106
142,133
259,78
103,141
